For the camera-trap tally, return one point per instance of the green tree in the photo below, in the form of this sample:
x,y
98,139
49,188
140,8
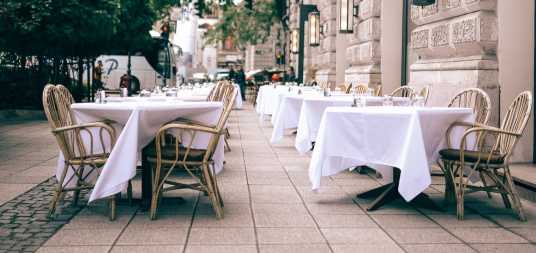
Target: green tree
x,y
161,7
136,18
243,25
65,35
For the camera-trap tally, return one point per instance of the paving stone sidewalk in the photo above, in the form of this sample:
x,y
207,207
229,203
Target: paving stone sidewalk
x,y
269,207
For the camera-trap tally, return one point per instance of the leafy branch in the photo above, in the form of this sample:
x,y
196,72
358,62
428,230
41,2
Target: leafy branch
x,y
243,25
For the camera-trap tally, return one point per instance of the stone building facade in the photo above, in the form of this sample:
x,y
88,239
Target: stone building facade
x,y
451,45
364,50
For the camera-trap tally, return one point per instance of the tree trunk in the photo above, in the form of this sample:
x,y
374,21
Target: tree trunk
x,y
80,85
89,81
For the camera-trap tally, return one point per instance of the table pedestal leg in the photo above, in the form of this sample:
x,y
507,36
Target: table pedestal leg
x,y
389,192
146,184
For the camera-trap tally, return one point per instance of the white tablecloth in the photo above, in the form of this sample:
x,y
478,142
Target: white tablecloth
x,y
137,124
201,94
289,110
269,98
404,137
312,110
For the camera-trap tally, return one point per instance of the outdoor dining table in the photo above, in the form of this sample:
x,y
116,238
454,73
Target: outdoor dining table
x,y
405,138
137,121
201,94
312,109
289,109
269,97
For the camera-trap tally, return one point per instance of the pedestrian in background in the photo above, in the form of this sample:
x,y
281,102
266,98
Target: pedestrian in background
x,y
97,76
240,79
291,75
232,74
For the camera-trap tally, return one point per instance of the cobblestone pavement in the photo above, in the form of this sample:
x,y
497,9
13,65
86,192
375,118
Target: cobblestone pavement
x,y
24,225
269,207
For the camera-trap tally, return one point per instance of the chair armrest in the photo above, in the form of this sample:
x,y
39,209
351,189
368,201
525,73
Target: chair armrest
x,y
482,132
191,122
460,124
184,126
84,126
489,129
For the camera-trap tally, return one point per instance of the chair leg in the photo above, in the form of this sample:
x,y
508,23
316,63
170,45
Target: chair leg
x,y
157,186
211,192
515,197
450,192
227,133
129,192
227,146
59,191
485,183
459,190
216,188
112,207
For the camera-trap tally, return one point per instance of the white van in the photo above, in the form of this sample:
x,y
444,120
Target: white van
x,y
155,66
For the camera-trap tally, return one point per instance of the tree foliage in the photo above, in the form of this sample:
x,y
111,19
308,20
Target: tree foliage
x,y
58,39
56,27
243,25
136,18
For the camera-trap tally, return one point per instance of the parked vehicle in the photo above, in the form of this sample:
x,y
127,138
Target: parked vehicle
x,y
155,65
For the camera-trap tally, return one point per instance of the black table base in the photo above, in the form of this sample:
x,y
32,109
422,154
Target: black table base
x,y
389,192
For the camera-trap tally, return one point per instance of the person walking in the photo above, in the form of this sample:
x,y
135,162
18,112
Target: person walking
x,y
232,74
291,75
97,76
240,79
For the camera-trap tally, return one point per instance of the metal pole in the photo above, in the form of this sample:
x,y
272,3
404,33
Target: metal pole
x,y
404,67
534,88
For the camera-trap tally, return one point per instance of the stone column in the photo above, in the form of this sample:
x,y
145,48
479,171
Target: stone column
x,y
325,56
453,46
364,51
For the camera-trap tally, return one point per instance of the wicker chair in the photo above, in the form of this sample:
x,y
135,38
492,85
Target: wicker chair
x,y
196,162
378,91
360,89
82,159
214,94
479,101
425,93
490,161
345,87
404,91
348,88
217,94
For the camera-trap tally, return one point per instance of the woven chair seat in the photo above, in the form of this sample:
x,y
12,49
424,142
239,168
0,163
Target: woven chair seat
x,y
471,156
169,153
97,159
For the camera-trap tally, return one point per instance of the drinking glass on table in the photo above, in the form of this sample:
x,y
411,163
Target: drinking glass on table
x,y
418,101
388,100
98,98
370,92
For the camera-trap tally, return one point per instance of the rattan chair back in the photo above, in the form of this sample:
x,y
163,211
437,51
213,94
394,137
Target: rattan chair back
x,y
404,91
515,121
476,99
378,91
348,88
56,104
425,93
214,93
360,89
